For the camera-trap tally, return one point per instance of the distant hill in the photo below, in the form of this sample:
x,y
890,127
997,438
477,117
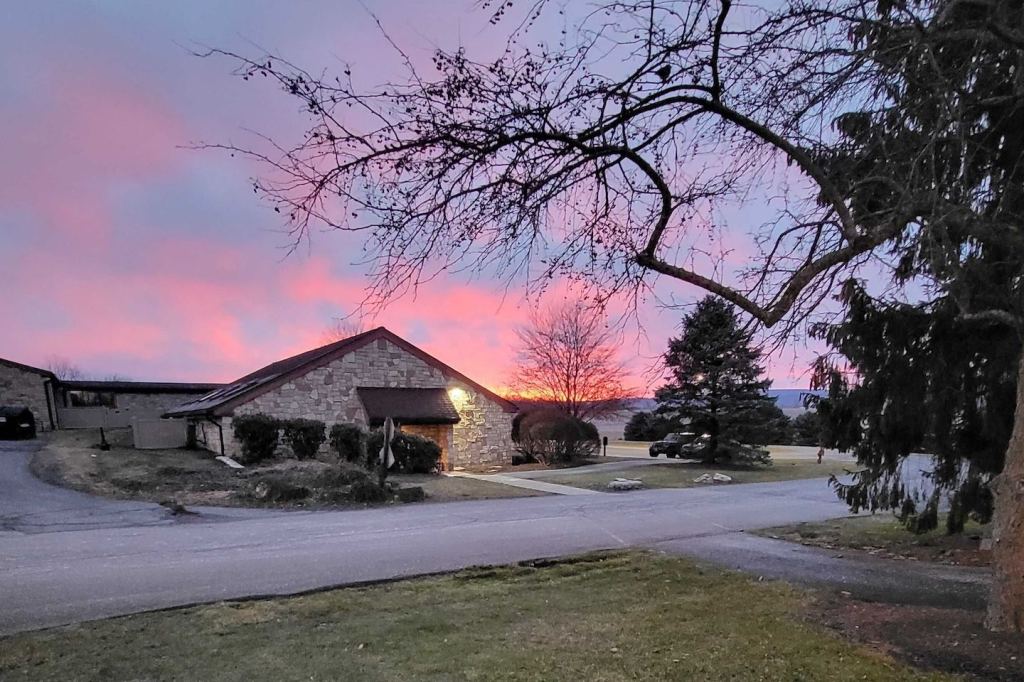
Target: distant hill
x,y
791,398
785,398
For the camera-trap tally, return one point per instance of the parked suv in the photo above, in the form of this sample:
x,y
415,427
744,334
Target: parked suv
x,y
679,445
16,422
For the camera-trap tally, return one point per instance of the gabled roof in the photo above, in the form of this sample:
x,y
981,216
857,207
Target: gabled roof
x,y
28,368
140,386
223,400
408,405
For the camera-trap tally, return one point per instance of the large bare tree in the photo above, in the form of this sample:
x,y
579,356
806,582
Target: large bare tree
x,y
568,357
625,151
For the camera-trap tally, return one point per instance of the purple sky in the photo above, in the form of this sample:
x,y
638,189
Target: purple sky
x,y
126,252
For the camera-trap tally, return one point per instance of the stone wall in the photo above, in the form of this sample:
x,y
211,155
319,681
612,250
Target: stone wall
x,y
22,387
152,404
208,435
129,406
328,393
484,432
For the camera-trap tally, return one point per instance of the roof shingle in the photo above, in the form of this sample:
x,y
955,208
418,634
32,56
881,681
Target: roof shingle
x,y
408,405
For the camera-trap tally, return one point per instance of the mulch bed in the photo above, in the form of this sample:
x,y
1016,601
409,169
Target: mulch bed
x,y
949,640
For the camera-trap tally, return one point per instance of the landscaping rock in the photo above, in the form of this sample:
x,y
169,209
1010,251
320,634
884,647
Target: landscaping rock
x,y
713,478
620,484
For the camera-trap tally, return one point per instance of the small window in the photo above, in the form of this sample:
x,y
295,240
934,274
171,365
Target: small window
x,y
91,399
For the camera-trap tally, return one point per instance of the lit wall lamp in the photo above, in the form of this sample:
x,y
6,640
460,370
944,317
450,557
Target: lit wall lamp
x,y
457,394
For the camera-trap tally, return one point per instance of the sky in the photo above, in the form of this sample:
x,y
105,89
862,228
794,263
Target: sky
x,y
129,252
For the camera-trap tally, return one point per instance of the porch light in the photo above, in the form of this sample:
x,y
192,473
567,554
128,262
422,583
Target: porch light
x,y
456,394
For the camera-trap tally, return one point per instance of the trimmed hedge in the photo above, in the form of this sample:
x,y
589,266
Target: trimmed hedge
x,y
304,436
349,442
553,437
413,454
258,435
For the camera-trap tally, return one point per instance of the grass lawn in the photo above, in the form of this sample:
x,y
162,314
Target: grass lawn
x,y
194,477
455,488
681,475
882,535
628,616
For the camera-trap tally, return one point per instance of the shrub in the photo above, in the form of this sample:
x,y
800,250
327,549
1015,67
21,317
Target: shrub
x,y
366,490
304,436
413,454
258,435
742,454
554,437
807,429
338,478
411,494
279,489
349,442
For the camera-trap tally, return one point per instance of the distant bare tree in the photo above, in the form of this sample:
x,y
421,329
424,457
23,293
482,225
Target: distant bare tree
x,y
567,357
341,329
64,369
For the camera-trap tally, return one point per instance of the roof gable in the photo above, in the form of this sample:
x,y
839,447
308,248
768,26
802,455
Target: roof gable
x,y
223,400
28,368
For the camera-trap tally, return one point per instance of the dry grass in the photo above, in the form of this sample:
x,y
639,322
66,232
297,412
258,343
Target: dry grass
x,y
681,475
456,488
194,477
634,616
883,536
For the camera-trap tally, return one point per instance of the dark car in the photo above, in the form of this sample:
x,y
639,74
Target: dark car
x,y
16,423
679,445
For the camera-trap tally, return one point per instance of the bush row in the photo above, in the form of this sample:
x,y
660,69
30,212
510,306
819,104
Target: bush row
x,y
259,436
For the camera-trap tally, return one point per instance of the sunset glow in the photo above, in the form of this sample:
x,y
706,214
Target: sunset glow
x,y
128,252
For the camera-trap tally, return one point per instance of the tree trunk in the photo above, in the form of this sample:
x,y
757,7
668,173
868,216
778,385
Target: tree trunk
x,y
711,454
1006,603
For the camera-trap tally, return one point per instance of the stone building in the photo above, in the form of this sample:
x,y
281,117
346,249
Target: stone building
x,y
58,404
364,380
31,387
92,403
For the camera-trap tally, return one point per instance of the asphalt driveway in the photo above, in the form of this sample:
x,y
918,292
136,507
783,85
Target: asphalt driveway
x,y
28,505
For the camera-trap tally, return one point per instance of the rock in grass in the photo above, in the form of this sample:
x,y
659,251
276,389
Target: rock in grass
x,y
713,478
620,484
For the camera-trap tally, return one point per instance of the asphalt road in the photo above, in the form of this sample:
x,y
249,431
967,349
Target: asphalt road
x,y
135,557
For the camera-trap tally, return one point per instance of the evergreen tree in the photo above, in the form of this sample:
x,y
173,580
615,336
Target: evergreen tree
x,y
939,150
648,426
807,429
926,380
717,385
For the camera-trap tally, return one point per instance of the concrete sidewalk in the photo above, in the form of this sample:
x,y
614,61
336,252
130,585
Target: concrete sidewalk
x,y
515,482
612,464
